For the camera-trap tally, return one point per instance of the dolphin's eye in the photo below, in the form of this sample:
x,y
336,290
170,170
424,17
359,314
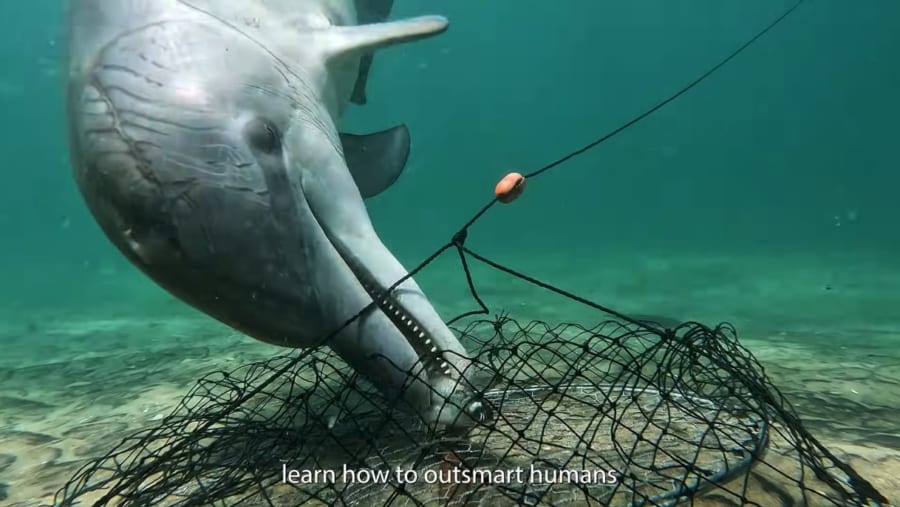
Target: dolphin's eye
x,y
262,135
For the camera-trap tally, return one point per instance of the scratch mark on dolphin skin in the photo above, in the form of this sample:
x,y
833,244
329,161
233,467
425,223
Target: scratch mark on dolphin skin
x,y
112,67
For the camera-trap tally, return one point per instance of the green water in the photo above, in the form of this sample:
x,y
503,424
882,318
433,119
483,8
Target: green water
x,y
768,156
767,195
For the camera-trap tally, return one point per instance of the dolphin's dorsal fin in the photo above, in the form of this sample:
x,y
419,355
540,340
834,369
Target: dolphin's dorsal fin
x,y
368,11
376,160
362,39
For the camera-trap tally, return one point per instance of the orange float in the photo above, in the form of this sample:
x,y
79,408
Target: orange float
x,y
509,188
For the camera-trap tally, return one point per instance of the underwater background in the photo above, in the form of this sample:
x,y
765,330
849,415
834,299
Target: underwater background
x,y
766,196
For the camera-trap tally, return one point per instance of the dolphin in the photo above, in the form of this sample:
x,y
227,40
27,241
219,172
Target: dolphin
x,y
204,141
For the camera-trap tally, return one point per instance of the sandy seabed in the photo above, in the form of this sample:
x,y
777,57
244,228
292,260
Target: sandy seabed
x,y
71,387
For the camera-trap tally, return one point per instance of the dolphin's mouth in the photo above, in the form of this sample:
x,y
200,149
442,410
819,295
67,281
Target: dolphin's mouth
x,y
424,345
453,401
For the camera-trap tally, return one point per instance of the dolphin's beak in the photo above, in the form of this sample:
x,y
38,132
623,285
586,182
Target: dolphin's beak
x,y
400,343
405,339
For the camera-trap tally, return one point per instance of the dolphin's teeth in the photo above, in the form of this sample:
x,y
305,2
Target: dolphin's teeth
x,y
422,335
415,328
445,366
434,349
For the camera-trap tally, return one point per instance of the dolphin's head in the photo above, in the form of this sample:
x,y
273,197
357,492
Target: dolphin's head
x,y
208,154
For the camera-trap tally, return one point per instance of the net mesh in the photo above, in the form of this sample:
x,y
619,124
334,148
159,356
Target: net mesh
x,y
625,413
618,414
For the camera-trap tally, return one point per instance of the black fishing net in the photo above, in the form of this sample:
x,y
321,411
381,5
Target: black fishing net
x,y
625,413
618,414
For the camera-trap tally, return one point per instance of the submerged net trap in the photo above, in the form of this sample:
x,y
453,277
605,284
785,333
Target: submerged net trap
x,y
619,414
625,413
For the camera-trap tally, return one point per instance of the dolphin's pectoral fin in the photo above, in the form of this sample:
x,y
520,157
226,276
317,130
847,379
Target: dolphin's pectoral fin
x,y
363,39
368,11
376,160
366,38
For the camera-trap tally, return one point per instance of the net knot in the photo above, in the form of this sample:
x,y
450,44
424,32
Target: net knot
x,y
459,238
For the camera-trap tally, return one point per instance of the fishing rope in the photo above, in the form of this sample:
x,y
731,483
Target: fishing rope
x,y
459,238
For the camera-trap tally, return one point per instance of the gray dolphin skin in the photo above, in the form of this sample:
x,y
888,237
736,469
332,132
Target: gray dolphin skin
x,y
204,141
